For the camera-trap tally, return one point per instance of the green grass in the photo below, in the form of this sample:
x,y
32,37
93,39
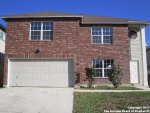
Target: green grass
x,y
110,88
98,102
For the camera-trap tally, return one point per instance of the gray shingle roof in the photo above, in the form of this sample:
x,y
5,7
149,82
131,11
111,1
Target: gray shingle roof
x,y
38,14
85,18
90,18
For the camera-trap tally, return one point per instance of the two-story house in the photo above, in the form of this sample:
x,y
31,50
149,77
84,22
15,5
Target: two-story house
x,y
49,49
2,44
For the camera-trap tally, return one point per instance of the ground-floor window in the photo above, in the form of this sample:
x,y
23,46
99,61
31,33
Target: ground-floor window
x,y
102,67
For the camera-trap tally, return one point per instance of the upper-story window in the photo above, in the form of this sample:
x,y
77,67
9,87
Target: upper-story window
x,y
41,30
101,35
132,34
2,35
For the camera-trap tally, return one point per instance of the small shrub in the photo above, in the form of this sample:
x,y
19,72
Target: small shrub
x,y
89,75
115,76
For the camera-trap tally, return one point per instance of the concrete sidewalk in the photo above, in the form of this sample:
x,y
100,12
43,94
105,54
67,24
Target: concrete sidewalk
x,y
144,88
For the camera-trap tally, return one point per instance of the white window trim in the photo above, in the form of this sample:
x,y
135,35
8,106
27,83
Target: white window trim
x,y
102,35
41,38
101,68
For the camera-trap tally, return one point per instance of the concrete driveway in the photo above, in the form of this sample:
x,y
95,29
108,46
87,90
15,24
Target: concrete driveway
x,y
36,100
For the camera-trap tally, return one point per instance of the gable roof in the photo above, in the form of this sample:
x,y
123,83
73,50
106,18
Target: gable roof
x,y
86,19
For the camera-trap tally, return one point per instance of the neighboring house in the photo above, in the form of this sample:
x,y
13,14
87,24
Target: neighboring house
x,y
148,57
2,52
2,44
51,49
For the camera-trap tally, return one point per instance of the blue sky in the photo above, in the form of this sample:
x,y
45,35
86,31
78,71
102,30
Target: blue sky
x,y
132,9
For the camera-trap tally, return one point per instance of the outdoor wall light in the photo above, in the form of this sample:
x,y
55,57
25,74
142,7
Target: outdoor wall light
x,y
38,50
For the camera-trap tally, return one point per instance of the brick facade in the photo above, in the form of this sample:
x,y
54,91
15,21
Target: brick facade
x,y
70,40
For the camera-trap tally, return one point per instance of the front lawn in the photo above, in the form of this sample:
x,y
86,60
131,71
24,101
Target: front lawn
x,y
98,102
111,88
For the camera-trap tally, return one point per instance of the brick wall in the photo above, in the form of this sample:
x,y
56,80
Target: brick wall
x,y
70,40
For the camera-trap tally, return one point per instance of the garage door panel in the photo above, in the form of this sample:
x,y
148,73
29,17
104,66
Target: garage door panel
x,y
43,83
36,75
53,83
37,68
11,82
62,83
52,68
44,75
36,83
14,64
60,63
21,63
45,68
20,83
21,76
13,75
44,63
14,68
52,75
29,63
51,63
37,62
63,76
29,68
47,73
21,68
28,83
29,75
60,69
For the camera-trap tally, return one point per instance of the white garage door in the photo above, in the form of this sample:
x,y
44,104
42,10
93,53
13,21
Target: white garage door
x,y
44,73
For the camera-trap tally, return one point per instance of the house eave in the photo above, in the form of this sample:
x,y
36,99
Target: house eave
x,y
5,17
143,23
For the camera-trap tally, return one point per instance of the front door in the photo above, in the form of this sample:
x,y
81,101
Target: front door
x,y
134,71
